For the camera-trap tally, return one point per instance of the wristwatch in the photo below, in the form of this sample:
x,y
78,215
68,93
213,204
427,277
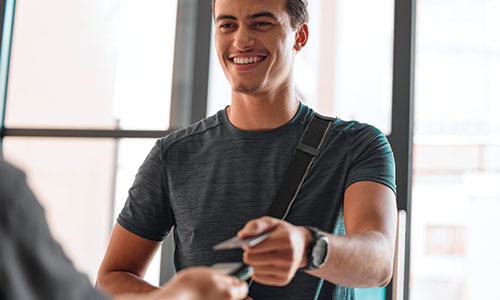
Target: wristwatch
x,y
318,249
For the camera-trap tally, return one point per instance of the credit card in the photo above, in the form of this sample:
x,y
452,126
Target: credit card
x,y
236,242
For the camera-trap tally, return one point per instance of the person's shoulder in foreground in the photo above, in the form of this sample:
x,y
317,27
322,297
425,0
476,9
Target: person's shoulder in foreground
x,y
34,266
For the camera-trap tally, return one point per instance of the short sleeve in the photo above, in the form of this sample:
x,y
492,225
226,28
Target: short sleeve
x,y
147,212
371,157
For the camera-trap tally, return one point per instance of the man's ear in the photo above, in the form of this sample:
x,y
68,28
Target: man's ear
x,y
301,37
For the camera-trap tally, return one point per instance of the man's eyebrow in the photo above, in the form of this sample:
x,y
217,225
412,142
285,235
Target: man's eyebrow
x,y
263,14
254,16
225,17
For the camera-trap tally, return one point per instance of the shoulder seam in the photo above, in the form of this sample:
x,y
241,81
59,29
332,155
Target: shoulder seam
x,y
193,134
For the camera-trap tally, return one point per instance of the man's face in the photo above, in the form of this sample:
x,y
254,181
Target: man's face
x,y
255,44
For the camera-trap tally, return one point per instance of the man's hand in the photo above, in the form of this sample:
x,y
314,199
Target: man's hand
x,y
277,259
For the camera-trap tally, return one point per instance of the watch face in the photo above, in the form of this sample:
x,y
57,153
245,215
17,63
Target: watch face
x,y
320,251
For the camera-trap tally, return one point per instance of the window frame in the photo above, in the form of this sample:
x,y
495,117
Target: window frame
x,y
402,124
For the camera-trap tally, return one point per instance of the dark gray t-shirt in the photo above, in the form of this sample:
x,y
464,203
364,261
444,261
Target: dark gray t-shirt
x,y
210,178
32,264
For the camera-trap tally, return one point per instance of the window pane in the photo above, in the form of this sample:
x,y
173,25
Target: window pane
x,y
92,64
345,69
83,184
455,241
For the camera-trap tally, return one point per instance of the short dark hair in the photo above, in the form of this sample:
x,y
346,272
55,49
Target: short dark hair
x,y
297,10
299,14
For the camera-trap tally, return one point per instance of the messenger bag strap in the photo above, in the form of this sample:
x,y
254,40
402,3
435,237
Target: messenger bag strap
x,y
306,151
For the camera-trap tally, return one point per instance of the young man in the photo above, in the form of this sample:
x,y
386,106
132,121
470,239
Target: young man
x,y
209,179
33,265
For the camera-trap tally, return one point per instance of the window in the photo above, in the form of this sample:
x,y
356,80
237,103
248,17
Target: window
x,y
87,65
455,242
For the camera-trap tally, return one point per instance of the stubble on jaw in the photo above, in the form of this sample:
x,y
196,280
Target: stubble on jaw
x,y
245,89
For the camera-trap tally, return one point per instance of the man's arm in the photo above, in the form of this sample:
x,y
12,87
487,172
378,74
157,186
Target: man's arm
x,y
125,263
362,258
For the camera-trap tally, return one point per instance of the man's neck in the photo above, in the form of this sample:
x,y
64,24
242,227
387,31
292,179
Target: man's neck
x,y
262,112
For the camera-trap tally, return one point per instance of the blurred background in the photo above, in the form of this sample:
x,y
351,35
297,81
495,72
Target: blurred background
x,y
110,65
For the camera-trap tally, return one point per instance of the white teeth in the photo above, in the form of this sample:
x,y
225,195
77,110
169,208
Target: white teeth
x,y
248,60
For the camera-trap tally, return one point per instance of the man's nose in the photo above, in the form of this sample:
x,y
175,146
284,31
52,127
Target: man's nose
x,y
244,40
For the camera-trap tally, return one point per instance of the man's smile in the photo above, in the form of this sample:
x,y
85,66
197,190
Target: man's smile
x,y
247,61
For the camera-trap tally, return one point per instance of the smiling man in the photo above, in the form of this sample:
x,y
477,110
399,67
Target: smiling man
x,y
220,176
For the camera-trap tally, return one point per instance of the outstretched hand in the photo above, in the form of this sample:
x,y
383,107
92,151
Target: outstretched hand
x,y
201,283
277,259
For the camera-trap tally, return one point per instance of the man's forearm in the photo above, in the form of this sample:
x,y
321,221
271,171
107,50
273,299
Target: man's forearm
x,y
358,260
121,282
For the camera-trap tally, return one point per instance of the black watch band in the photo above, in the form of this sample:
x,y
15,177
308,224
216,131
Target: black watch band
x,y
318,249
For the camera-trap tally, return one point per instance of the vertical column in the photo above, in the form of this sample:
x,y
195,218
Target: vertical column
x,y
191,62
401,137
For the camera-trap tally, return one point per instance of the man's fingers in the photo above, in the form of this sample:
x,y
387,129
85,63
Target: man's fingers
x,y
275,242
258,226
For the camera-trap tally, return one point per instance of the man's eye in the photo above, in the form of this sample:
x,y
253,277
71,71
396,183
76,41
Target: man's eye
x,y
260,24
226,25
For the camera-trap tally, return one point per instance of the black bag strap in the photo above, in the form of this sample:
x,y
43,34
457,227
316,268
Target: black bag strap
x,y
306,151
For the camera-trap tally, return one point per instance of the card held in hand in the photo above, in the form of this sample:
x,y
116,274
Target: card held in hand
x,y
236,242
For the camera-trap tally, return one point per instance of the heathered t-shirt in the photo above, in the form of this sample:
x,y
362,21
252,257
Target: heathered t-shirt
x,y
32,264
210,178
